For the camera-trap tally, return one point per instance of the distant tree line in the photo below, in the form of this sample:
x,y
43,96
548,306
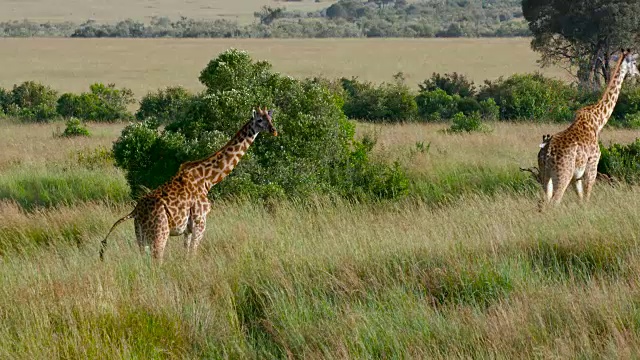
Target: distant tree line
x,y
346,18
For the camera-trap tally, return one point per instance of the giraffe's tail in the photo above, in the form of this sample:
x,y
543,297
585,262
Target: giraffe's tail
x,y
103,244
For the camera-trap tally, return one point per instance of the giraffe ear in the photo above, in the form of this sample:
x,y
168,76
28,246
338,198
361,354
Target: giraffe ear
x,y
270,113
253,113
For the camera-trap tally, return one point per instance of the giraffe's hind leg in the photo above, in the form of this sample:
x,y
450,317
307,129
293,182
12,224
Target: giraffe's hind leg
x,y
141,239
590,175
560,184
160,235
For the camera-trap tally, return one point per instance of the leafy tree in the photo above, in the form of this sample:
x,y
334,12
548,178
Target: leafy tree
x,y
582,35
165,104
103,103
315,151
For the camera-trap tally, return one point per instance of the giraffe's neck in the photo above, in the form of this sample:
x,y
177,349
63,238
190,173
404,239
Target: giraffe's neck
x,y
610,97
219,165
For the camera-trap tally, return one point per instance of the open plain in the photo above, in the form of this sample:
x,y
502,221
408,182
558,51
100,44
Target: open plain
x,y
148,64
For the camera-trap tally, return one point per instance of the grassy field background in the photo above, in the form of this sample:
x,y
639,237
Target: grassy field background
x,y
112,11
148,64
484,275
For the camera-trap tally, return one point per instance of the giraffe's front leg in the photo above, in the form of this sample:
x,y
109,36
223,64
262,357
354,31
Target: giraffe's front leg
x,y
199,225
188,233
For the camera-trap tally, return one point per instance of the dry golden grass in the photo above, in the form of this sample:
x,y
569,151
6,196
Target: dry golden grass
x,y
115,10
508,146
148,64
35,145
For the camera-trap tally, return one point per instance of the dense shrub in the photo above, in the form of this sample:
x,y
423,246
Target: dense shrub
x,y
452,84
386,102
164,105
621,162
627,111
314,153
31,101
75,127
102,103
531,97
489,110
434,105
461,123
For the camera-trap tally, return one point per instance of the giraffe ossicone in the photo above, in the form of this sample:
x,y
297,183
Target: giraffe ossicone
x,y
572,155
180,206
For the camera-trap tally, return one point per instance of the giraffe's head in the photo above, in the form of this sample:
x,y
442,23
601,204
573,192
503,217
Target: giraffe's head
x,y
629,63
262,121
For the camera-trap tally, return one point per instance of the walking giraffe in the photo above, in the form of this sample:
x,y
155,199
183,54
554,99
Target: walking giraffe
x,y
573,153
180,206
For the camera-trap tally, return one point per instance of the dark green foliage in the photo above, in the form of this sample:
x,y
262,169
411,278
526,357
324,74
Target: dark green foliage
x,y
164,105
392,102
5,99
621,162
626,114
452,84
436,104
443,96
467,123
314,153
489,109
530,97
31,101
582,33
102,103
75,127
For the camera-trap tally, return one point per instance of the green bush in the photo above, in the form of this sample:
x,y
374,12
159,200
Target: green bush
x,y
627,111
621,162
530,97
315,151
164,105
31,101
452,84
75,127
391,102
5,98
467,123
102,103
489,109
434,105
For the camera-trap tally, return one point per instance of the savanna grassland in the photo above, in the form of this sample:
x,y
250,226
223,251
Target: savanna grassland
x,y
79,10
465,266
148,64
468,269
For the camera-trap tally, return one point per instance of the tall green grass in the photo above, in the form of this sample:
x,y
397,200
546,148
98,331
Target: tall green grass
x,y
32,188
486,276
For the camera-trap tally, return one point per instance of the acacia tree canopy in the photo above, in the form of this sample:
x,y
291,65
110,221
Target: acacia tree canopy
x,y
582,35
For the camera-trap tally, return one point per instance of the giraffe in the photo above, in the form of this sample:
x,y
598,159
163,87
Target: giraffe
x,y
573,154
180,206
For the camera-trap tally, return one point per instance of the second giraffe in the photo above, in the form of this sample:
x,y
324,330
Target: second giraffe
x,y
573,154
